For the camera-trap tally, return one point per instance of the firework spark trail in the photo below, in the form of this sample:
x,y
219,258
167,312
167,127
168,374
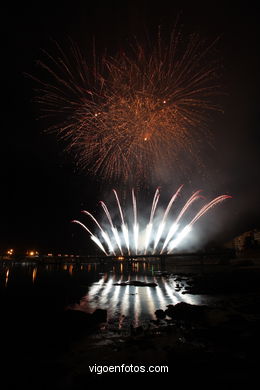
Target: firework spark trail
x,y
155,201
114,230
135,226
189,202
124,226
104,234
92,217
175,242
107,239
107,213
126,237
92,236
170,234
187,229
117,238
136,112
171,202
169,239
148,232
162,224
119,207
208,206
149,227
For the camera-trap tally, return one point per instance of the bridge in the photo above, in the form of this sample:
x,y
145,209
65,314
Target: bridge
x,y
199,256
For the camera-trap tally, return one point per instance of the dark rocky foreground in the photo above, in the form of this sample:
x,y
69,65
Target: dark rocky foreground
x,y
220,340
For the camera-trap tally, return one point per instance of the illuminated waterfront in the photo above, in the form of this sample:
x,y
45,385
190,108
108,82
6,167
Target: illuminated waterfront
x,y
90,286
48,312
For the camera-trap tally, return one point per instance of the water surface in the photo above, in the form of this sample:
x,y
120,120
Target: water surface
x,y
49,288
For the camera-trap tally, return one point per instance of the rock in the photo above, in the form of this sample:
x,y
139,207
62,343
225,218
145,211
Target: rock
x,y
170,311
162,273
185,312
77,321
155,322
160,314
138,331
136,283
139,283
99,316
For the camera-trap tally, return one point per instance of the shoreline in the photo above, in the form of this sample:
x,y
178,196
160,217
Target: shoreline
x,y
223,337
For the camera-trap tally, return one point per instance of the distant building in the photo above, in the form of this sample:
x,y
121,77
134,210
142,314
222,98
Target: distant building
x,y
246,240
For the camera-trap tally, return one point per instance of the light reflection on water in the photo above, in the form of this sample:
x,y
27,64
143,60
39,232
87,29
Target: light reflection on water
x,y
136,304
6,276
124,304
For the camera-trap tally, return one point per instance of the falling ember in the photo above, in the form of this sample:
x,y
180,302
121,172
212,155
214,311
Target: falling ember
x,y
159,236
134,113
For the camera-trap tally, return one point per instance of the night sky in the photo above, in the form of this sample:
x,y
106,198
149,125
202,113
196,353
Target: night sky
x,y
42,189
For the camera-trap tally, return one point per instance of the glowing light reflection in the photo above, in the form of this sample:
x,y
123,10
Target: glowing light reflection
x,y
124,309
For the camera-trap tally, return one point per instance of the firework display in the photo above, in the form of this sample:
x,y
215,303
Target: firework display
x,y
135,115
132,118
159,235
